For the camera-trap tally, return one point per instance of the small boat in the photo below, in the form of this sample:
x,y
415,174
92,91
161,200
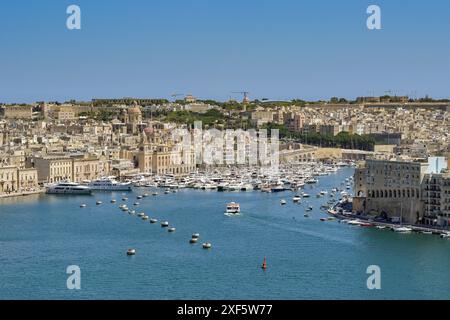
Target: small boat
x,y
445,235
207,245
153,220
98,203
193,240
83,205
154,193
305,195
381,227
306,215
402,229
124,199
145,195
233,208
139,197
323,219
131,252
113,201
145,218
283,202
164,224
136,204
426,232
296,199
365,224
195,235
171,229
141,214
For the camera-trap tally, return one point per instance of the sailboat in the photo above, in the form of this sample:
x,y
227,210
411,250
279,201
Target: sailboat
x,y
401,229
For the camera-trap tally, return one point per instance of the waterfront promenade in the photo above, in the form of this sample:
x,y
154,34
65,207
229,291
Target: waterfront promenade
x,y
21,193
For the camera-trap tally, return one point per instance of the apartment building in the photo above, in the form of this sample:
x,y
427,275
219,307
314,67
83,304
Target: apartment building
x,y
436,198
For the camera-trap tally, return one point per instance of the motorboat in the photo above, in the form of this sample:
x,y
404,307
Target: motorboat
x,y
233,208
109,184
68,188
402,229
164,224
207,245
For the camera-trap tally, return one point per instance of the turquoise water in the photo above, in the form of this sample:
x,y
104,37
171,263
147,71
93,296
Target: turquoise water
x,y
307,259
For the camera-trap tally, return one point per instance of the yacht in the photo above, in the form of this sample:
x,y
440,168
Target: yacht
x,y
233,208
109,184
68,188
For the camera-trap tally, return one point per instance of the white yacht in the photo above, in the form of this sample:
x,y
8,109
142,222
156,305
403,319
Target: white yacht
x,y
68,188
233,208
109,184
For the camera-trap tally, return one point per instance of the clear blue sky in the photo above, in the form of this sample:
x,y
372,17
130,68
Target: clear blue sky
x,y
276,49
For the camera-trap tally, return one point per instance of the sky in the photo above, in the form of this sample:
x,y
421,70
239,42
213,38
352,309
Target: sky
x,y
275,49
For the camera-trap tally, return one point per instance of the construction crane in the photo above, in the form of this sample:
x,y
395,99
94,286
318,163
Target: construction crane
x,y
246,100
174,95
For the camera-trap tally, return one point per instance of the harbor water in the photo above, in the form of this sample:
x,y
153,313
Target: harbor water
x,y
41,235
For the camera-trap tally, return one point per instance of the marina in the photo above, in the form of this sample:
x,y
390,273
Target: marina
x,y
55,231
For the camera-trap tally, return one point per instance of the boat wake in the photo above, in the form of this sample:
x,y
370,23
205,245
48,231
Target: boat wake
x,y
232,214
302,231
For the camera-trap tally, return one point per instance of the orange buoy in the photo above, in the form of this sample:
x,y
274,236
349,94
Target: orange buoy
x,y
264,265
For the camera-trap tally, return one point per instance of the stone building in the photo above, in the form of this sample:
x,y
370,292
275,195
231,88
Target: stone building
x,y
14,179
17,112
390,189
8,180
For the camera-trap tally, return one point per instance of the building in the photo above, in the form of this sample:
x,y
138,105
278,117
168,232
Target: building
x,y
262,117
52,169
390,189
163,159
8,180
17,112
27,179
85,169
14,179
436,198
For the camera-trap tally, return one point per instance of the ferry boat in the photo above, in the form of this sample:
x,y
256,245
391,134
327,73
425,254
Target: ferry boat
x,y
109,184
68,188
233,208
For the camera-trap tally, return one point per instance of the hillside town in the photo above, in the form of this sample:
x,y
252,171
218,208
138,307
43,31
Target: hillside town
x,y
391,139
